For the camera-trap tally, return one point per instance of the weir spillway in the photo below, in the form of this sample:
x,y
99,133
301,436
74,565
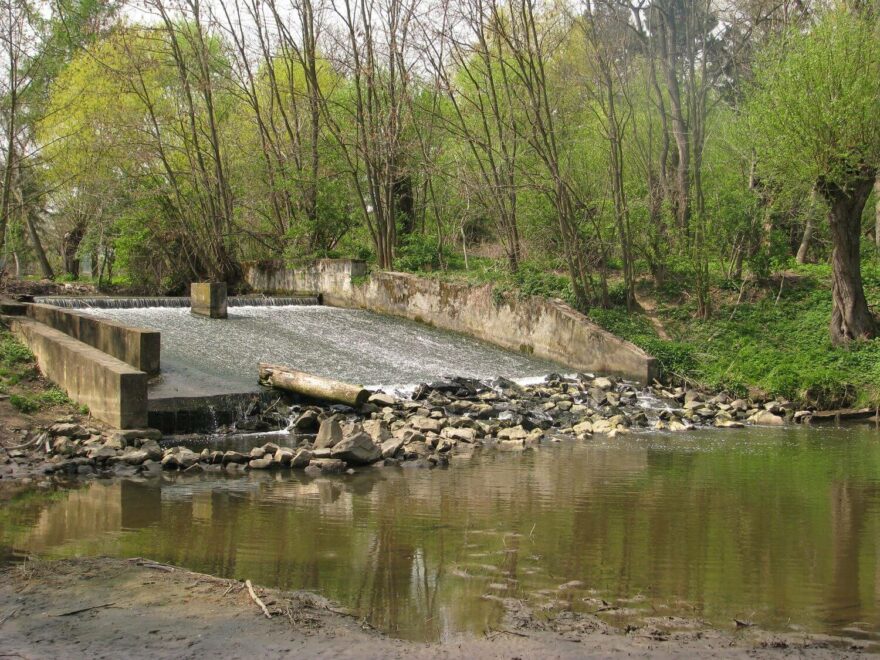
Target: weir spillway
x,y
213,363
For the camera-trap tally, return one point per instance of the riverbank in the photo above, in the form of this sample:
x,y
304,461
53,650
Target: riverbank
x,y
138,608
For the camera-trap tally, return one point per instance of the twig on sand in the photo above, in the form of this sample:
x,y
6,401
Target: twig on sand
x,y
256,599
10,615
84,609
492,634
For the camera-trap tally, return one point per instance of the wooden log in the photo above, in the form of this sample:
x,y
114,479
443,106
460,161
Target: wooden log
x,y
312,386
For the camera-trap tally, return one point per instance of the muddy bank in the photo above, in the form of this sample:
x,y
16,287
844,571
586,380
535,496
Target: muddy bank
x,y
136,608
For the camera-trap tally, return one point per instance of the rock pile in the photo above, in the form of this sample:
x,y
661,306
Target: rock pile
x,y
442,421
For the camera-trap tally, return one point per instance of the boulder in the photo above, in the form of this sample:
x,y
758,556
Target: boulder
x,y
129,436
70,430
327,465
257,452
135,456
260,463
427,424
603,383
391,446
513,433
234,457
378,430
459,434
283,456
329,434
382,400
154,451
307,422
766,418
358,449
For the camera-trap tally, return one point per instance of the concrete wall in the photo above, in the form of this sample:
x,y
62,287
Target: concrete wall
x,y
115,392
208,299
546,328
137,347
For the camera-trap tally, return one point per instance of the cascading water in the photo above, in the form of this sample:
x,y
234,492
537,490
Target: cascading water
x,y
102,302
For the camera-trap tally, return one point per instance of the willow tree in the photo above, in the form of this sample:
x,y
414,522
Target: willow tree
x,y
814,113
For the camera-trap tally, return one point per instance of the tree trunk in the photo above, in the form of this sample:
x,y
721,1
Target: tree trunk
x,y
314,387
877,211
850,317
70,246
805,242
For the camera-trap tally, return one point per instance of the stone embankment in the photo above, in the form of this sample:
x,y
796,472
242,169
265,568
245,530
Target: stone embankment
x,y
442,422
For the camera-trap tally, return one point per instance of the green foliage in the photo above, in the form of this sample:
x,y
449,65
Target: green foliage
x,y
421,252
12,352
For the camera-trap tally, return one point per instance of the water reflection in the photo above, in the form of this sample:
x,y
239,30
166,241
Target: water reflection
x,y
779,526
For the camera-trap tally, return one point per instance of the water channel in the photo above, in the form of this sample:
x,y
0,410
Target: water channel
x,y
778,526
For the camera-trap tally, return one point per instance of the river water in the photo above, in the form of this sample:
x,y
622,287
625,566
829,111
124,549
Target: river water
x,y
777,526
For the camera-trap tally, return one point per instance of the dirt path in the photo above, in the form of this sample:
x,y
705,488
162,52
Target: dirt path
x,y
649,306
110,608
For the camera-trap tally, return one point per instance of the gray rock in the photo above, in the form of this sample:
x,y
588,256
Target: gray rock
x,y
70,430
513,433
257,452
766,418
329,434
128,436
101,453
260,463
382,400
378,430
307,421
359,449
327,465
391,446
234,457
283,456
154,451
427,424
135,456
301,459
603,383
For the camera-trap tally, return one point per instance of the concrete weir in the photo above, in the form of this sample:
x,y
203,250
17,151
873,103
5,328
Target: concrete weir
x,y
536,326
114,391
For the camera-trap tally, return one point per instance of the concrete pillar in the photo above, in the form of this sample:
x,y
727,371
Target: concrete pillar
x,y
208,299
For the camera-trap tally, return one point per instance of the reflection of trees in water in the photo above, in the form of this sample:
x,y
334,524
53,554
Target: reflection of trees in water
x,y
786,529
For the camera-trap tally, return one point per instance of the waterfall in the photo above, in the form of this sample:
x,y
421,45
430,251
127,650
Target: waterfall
x,y
106,302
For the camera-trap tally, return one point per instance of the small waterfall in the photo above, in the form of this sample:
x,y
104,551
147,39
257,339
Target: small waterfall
x,y
101,302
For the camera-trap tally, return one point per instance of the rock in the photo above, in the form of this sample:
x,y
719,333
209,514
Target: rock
x,y
598,395
260,463
135,456
677,425
427,424
101,453
444,445
329,434
301,459
728,424
271,448
739,404
234,457
512,445
514,433
154,451
130,435
307,422
391,446
584,428
70,430
195,468
382,400
115,442
179,457
378,430
459,434
327,465
603,383
766,418
358,448
257,452
64,445
283,456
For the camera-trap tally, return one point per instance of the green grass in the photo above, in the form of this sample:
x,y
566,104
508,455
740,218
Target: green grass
x,y
18,378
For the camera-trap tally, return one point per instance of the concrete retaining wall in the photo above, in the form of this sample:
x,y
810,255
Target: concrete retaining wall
x,y
546,328
115,392
137,347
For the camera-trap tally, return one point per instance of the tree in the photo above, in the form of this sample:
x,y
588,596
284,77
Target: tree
x,y
814,114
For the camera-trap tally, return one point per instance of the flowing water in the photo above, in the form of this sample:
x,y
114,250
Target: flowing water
x,y
351,345
779,526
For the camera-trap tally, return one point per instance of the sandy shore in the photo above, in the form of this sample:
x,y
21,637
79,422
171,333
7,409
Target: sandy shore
x,y
111,608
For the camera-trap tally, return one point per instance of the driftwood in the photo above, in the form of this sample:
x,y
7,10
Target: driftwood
x,y
256,599
314,387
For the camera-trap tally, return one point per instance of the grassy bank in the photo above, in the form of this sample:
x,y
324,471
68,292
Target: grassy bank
x,y
20,381
766,337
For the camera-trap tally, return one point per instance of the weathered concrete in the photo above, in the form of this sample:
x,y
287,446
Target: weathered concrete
x,y
208,299
115,392
546,328
137,347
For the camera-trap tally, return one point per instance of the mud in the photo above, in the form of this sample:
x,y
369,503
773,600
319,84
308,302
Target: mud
x,y
135,608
